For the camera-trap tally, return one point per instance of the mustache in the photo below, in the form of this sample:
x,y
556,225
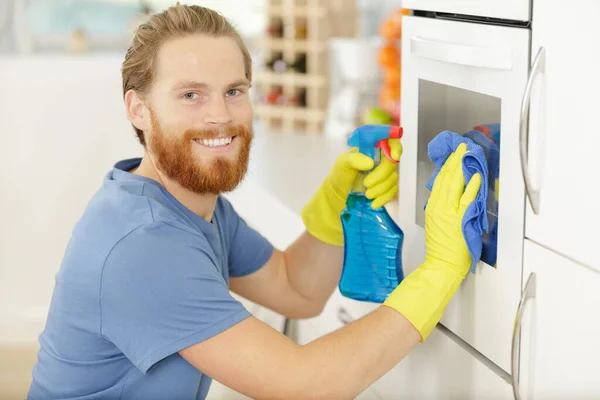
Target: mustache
x,y
237,130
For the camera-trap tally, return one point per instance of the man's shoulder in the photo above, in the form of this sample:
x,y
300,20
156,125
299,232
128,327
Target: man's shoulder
x,y
129,205
121,210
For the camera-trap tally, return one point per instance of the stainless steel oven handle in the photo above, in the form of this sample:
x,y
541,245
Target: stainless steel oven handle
x,y
537,67
528,294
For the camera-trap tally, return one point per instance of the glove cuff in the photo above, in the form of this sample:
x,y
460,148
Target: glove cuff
x,y
322,216
424,294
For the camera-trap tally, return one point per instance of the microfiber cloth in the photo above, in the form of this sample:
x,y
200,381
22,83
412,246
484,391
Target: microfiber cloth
x,y
489,144
475,219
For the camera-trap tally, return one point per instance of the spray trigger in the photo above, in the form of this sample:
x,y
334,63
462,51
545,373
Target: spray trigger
x,y
384,145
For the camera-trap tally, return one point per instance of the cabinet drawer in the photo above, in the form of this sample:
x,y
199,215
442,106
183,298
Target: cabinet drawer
x,y
562,211
559,328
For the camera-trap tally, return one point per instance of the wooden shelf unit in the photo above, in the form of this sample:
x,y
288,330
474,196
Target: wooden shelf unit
x,y
307,25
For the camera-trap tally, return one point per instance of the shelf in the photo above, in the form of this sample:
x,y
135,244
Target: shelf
x,y
306,27
297,11
292,113
296,45
291,79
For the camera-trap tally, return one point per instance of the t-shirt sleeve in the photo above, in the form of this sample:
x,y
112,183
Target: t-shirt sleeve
x,y
161,292
248,249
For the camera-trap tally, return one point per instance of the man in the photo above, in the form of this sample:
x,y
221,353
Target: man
x,y
142,305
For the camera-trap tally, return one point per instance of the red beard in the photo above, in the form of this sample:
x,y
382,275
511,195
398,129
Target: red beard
x,y
175,158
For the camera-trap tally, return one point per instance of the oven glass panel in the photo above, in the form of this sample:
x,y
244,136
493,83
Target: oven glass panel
x,y
474,115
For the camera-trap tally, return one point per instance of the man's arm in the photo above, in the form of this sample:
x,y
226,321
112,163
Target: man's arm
x,y
297,282
254,359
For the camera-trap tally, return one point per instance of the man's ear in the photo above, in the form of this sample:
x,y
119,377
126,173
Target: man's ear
x,y
135,107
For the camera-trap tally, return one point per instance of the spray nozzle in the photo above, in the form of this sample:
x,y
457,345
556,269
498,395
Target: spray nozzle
x,y
368,138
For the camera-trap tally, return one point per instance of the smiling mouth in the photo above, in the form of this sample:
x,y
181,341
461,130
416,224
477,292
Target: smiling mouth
x,y
219,142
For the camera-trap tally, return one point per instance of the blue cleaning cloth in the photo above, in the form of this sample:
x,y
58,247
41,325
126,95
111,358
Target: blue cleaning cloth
x,y
475,219
489,252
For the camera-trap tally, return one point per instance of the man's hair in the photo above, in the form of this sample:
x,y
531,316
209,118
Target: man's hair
x,y
176,21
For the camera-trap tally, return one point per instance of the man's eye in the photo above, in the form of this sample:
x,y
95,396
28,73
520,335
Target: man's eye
x,y
233,92
190,96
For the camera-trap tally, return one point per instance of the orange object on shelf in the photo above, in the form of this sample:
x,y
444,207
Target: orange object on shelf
x,y
389,60
392,76
389,56
390,30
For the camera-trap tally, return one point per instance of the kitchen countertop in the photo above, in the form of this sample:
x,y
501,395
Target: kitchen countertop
x,y
292,166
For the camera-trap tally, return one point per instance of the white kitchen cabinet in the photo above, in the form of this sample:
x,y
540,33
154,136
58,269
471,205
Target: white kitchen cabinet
x,y
562,212
517,10
457,76
559,328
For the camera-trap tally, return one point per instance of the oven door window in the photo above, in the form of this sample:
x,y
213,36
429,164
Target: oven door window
x,y
473,115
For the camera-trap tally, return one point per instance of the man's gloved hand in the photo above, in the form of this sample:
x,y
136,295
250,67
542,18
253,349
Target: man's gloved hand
x,y
321,215
424,294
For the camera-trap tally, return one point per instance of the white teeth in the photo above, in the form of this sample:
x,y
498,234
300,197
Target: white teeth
x,y
215,142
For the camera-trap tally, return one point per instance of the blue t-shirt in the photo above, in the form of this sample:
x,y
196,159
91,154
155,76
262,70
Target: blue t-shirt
x,y
142,278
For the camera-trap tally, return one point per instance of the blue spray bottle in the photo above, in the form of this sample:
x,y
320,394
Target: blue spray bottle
x,y
372,240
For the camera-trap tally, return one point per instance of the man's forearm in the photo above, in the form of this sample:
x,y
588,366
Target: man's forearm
x,y
344,363
313,267
254,359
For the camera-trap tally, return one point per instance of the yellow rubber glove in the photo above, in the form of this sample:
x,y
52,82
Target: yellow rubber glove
x,y
321,216
424,294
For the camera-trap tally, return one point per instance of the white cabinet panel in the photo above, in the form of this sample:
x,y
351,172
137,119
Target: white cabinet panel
x,y
518,10
560,329
563,138
456,76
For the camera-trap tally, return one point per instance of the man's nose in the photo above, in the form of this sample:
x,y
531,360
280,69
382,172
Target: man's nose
x,y
217,112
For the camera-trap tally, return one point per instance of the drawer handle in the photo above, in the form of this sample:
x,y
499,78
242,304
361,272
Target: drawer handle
x,y
533,194
528,294
455,53
344,316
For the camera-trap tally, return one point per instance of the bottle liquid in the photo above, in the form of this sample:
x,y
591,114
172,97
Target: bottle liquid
x,y
372,240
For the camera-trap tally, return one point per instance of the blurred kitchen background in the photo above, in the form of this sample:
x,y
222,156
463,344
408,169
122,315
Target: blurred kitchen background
x,y
321,67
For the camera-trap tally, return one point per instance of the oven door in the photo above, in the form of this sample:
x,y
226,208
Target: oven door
x,y
468,78
516,10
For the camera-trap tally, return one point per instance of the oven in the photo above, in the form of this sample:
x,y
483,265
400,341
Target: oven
x,y
468,78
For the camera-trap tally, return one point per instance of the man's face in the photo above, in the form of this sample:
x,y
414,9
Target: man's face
x,y
201,114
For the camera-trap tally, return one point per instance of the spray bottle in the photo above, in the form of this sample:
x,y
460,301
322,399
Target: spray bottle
x,y
372,240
